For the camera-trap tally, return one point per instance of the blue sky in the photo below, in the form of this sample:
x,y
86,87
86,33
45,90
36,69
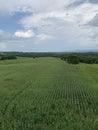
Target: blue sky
x,y
48,25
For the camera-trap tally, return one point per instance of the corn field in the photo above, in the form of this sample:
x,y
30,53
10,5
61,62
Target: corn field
x,y
47,94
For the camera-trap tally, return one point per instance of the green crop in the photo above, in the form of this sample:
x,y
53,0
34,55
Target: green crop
x,y
47,94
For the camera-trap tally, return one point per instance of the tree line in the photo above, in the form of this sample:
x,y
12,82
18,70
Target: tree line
x,y
7,57
76,58
71,58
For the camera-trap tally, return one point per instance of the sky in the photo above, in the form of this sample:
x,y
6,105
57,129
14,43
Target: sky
x,y
48,25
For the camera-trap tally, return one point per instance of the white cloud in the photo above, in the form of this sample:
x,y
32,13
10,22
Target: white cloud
x,y
42,38
53,18
67,25
32,5
80,15
3,46
24,34
44,19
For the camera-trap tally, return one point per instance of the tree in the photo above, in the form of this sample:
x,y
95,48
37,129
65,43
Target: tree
x,y
10,57
7,57
64,57
73,59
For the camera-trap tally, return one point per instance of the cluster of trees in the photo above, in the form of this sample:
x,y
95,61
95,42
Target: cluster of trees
x,y
35,54
89,59
7,57
76,58
71,58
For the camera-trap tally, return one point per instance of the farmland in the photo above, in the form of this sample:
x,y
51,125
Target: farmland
x,y
47,94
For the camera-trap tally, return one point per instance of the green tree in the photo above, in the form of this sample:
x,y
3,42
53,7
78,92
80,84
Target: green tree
x,y
73,59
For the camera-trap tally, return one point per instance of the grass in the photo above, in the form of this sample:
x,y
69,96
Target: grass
x,y
47,94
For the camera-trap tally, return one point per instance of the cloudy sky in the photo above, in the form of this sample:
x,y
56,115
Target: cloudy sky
x,y
48,25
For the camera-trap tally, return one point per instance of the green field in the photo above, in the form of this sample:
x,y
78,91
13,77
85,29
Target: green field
x,y
47,94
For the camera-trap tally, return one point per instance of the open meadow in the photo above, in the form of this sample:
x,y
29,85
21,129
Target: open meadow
x,y
47,94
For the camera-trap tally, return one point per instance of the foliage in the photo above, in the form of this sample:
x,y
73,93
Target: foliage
x,y
73,59
7,57
84,57
89,59
63,57
96,124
